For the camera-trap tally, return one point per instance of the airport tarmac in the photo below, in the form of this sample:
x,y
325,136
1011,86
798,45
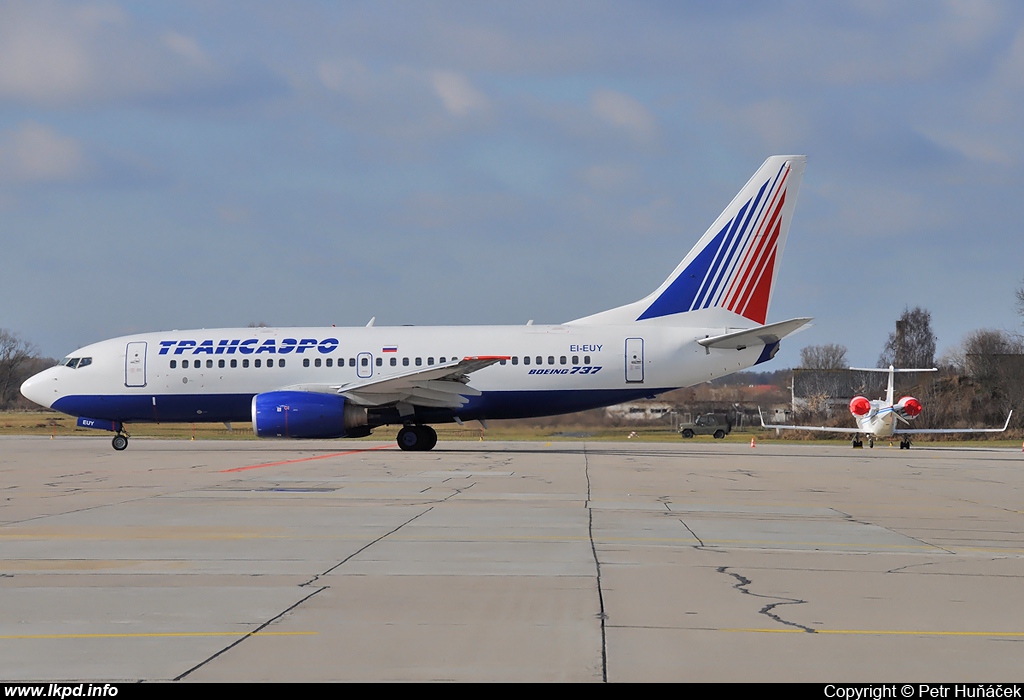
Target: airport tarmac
x,y
507,561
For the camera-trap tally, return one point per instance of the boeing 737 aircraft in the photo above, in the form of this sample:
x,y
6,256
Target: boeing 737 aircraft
x,y
705,321
881,418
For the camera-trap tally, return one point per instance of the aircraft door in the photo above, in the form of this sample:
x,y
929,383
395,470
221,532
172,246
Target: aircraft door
x,y
135,364
635,360
364,365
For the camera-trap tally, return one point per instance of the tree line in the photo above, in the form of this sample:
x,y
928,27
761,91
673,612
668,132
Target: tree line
x,y
19,360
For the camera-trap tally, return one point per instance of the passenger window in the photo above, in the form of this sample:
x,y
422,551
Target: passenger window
x,y
234,363
184,364
502,362
351,362
551,359
305,362
209,364
394,361
257,363
540,360
174,364
526,360
364,362
329,362
419,361
441,360
430,360
380,361
515,360
245,363
575,359
405,361
586,360
220,363
280,363
562,360
316,362
270,363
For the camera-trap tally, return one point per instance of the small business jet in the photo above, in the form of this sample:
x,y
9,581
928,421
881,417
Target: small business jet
x,y
881,418
705,321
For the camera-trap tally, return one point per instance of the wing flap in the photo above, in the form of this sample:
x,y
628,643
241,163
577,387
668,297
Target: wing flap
x,y
438,386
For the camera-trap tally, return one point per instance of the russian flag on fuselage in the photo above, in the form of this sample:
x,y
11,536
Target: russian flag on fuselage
x,y
736,268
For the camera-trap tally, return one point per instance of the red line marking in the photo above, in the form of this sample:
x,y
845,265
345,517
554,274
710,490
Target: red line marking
x,y
305,459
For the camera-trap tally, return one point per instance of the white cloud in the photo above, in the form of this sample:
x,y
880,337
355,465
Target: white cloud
x,y
623,112
458,96
36,153
57,54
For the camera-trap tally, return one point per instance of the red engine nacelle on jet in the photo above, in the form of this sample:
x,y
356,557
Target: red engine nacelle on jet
x,y
859,406
909,406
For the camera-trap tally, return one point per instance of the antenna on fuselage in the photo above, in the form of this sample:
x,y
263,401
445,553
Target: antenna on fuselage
x,y
369,324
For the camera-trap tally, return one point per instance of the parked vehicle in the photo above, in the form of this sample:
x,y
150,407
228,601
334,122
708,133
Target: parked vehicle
x,y
715,424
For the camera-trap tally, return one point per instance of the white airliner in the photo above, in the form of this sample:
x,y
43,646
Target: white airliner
x,y
881,418
705,321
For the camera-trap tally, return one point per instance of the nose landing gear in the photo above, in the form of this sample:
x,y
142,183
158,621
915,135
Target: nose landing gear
x,y
120,441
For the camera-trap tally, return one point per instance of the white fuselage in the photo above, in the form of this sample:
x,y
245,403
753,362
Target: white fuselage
x,y
212,374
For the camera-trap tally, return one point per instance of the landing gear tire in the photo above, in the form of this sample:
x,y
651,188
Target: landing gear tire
x,y
857,442
120,442
904,444
417,438
871,443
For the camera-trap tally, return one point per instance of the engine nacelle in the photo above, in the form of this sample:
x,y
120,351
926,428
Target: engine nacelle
x,y
859,406
909,407
306,414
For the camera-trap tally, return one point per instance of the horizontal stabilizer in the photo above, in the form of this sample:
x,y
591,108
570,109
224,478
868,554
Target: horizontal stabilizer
x,y
762,335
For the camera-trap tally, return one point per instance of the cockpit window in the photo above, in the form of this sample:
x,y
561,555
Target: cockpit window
x,y
84,362
76,362
71,362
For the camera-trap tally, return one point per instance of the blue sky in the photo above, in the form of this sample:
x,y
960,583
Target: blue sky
x,y
207,164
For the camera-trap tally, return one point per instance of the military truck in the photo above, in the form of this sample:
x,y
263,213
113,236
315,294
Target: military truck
x,y
716,424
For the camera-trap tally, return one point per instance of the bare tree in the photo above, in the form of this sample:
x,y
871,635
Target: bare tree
x,y
912,345
1020,299
828,356
15,357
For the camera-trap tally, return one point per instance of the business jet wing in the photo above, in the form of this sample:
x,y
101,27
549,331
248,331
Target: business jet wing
x,y
941,431
762,335
443,385
822,428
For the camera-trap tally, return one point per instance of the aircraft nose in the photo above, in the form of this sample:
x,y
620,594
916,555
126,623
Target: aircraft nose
x,y
40,388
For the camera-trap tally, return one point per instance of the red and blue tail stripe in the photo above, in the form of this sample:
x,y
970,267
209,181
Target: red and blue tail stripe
x,y
735,268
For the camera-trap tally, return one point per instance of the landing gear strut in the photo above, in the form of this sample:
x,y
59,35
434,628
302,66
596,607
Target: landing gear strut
x,y
904,444
857,442
419,438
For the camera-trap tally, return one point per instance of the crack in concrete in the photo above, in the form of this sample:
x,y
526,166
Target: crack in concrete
x,y
744,582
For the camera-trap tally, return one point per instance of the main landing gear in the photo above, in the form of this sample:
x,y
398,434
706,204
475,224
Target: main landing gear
x,y
904,444
418,438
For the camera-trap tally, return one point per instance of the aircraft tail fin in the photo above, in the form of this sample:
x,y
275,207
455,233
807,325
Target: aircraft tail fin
x,y
731,272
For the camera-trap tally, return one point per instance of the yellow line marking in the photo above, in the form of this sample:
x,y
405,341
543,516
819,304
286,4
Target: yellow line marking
x,y
934,633
135,635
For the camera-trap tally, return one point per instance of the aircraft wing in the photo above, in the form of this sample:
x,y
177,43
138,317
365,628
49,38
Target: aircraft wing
x,y
817,428
941,431
437,386
762,335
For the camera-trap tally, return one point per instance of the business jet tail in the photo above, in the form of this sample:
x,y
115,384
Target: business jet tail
x,y
727,279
